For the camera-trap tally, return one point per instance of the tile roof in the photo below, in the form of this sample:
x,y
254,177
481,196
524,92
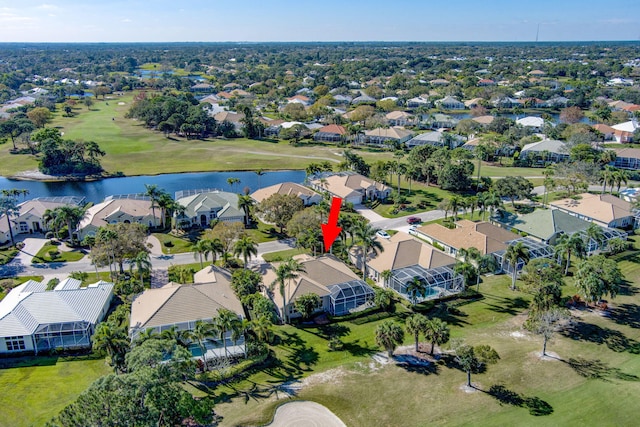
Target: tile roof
x,y
177,303
600,207
485,237
96,215
286,188
402,250
227,203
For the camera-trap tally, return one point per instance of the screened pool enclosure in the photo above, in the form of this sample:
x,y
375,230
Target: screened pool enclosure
x,y
433,283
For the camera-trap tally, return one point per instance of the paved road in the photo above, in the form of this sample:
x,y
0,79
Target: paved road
x,y
21,264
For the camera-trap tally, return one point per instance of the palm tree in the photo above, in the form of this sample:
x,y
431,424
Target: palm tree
x,y
201,248
480,153
260,173
231,181
595,233
416,287
165,203
567,245
607,177
389,335
454,205
9,208
153,192
180,336
386,275
416,325
112,340
286,272
620,177
549,184
366,235
70,215
142,263
513,255
246,203
226,321
246,247
492,201
261,329
437,332
485,264
467,270
201,333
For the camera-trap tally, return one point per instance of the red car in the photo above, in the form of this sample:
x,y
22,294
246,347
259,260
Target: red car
x,y
414,220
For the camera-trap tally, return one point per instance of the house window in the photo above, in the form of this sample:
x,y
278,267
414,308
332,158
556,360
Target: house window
x,y
15,343
24,227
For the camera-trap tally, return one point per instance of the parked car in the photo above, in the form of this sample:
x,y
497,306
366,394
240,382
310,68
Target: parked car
x,y
383,234
414,220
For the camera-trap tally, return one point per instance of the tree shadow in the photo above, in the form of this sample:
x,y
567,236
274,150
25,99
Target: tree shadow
x,y
627,288
512,306
415,364
597,369
614,340
355,349
626,314
536,406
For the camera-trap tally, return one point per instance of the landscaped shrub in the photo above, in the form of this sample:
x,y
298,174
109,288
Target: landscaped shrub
x,y
168,243
54,254
49,235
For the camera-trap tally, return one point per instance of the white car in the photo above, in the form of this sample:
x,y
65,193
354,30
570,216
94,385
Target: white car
x,y
383,234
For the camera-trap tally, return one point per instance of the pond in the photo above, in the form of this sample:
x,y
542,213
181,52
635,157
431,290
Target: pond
x,y
96,191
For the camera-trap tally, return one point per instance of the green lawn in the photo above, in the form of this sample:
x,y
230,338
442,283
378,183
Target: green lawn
x,y
43,255
7,254
178,245
595,380
283,255
134,150
36,389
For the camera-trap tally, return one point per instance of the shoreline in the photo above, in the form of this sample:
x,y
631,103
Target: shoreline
x,y
37,176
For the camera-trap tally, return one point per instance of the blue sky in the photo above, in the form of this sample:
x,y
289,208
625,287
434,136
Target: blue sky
x,y
325,20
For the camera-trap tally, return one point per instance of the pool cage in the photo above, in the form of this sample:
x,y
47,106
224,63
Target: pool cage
x,y
67,336
607,234
536,250
349,297
439,281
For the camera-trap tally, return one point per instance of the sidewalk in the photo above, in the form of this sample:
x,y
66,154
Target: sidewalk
x,y
368,213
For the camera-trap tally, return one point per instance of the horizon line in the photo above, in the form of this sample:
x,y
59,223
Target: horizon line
x,y
320,41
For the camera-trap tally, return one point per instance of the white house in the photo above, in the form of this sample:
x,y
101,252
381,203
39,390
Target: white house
x,y
33,319
204,206
128,209
351,187
307,195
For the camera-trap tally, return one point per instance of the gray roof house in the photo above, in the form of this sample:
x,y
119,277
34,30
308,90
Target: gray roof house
x,y
450,103
204,206
33,319
545,151
435,138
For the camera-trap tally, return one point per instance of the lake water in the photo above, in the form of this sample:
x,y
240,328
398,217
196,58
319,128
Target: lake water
x,y
96,191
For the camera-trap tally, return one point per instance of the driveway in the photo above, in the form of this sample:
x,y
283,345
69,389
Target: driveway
x,y
305,414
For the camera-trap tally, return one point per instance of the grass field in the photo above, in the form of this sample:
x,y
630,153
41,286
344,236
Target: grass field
x,y
134,150
36,389
43,255
595,379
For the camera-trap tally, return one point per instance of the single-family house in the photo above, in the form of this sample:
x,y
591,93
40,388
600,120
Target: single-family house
x,y
342,99
341,291
484,236
406,258
627,158
418,101
114,209
435,138
34,320
363,99
531,122
558,102
484,120
623,132
384,136
547,225
299,99
486,82
607,131
231,117
330,133
399,118
182,306
603,209
350,186
473,103
202,88
442,121
307,195
506,102
450,103
31,215
204,206
439,82
545,151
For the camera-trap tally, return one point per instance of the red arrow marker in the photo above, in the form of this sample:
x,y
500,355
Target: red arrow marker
x,y
330,230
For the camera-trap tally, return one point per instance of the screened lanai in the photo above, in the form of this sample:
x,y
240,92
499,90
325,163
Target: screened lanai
x,y
536,250
439,281
69,335
607,234
349,296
